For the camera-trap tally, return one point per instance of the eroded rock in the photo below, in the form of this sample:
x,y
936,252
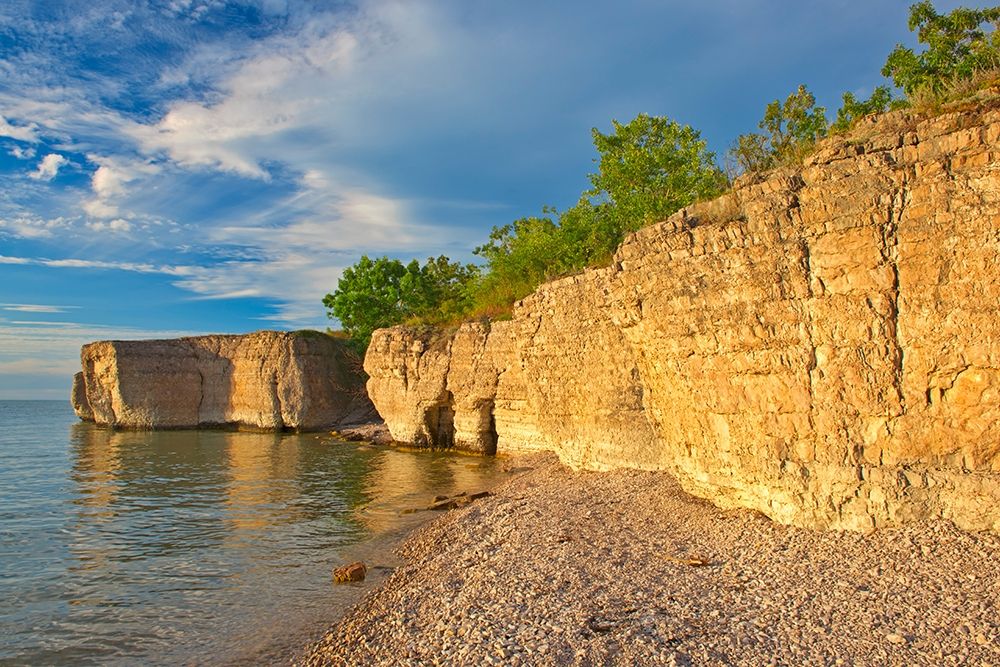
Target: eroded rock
x,y
267,380
822,345
353,572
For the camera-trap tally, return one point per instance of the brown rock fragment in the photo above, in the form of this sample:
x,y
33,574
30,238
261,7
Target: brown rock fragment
x,y
353,572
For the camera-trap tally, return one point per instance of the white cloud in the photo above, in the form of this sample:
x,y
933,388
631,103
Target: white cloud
x,y
34,308
31,228
97,208
332,82
73,263
116,225
108,185
22,153
48,167
27,132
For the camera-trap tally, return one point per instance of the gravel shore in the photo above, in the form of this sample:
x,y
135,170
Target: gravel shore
x,y
624,568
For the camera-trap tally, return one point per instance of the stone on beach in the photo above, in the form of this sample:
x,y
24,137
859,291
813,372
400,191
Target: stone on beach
x,y
352,572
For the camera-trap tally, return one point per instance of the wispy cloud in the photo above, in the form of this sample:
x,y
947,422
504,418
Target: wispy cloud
x,y
75,263
31,228
35,308
27,132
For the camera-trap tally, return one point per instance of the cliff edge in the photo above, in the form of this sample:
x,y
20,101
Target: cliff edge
x,y
822,345
267,380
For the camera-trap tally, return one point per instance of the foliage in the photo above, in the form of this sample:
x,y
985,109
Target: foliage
x,y
382,292
648,169
791,129
853,109
957,48
519,257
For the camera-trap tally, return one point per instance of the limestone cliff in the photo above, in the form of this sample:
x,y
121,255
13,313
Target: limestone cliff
x,y
265,380
822,345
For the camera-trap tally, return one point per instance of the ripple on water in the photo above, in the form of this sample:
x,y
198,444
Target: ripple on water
x,y
181,546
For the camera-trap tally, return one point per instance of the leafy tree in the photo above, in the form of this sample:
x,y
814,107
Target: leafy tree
x,y
648,169
440,291
519,257
369,296
383,292
957,48
853,109
791,129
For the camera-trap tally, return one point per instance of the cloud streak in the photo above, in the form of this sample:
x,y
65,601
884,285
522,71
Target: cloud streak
x,y
34,308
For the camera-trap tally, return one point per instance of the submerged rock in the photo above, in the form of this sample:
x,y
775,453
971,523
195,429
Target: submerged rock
x,y
454,502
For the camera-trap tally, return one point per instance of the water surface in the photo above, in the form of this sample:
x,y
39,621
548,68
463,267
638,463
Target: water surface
x,y
192,547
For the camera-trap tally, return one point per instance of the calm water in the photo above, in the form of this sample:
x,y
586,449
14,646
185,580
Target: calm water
x,y
191,547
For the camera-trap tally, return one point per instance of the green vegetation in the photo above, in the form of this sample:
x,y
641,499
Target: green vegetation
x,y
853,109
647,169
792,128
961,57
958,48
376,293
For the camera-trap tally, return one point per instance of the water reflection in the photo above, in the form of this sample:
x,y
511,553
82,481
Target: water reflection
x,y
175,546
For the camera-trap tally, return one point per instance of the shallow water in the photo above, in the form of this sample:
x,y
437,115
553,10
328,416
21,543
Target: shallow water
x,y
192,547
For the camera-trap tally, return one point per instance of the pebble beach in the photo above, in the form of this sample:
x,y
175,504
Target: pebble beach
x,y
624,568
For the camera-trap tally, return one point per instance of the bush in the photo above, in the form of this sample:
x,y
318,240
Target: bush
x,y
383,292
791,129
648,169
958,48
853,109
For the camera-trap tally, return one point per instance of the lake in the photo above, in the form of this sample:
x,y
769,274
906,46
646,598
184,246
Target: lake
x,y
191,547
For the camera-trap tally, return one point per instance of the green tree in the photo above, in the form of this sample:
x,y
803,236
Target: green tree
x,y
853,109
440,290
791,129
957,48
648,169
519,256
377,293
369,296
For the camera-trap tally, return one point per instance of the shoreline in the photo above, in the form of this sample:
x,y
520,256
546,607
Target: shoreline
x,y
623,567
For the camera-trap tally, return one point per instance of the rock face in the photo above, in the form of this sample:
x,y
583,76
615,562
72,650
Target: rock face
x,y
266,380
822,345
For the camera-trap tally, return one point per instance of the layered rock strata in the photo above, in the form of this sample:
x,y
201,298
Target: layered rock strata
x,y
822,345
266,380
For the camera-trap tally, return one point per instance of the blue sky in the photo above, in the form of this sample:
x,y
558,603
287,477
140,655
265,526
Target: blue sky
x,y
196,166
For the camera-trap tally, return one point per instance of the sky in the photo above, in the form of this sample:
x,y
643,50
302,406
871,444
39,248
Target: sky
x,y
178,167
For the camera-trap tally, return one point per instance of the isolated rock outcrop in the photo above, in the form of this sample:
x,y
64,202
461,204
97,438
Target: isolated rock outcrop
x,y
822,345
267,380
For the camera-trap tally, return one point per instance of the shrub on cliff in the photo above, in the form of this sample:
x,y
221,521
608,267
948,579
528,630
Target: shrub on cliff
x,y
648,168
958,48
853,109
791,129
376,293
